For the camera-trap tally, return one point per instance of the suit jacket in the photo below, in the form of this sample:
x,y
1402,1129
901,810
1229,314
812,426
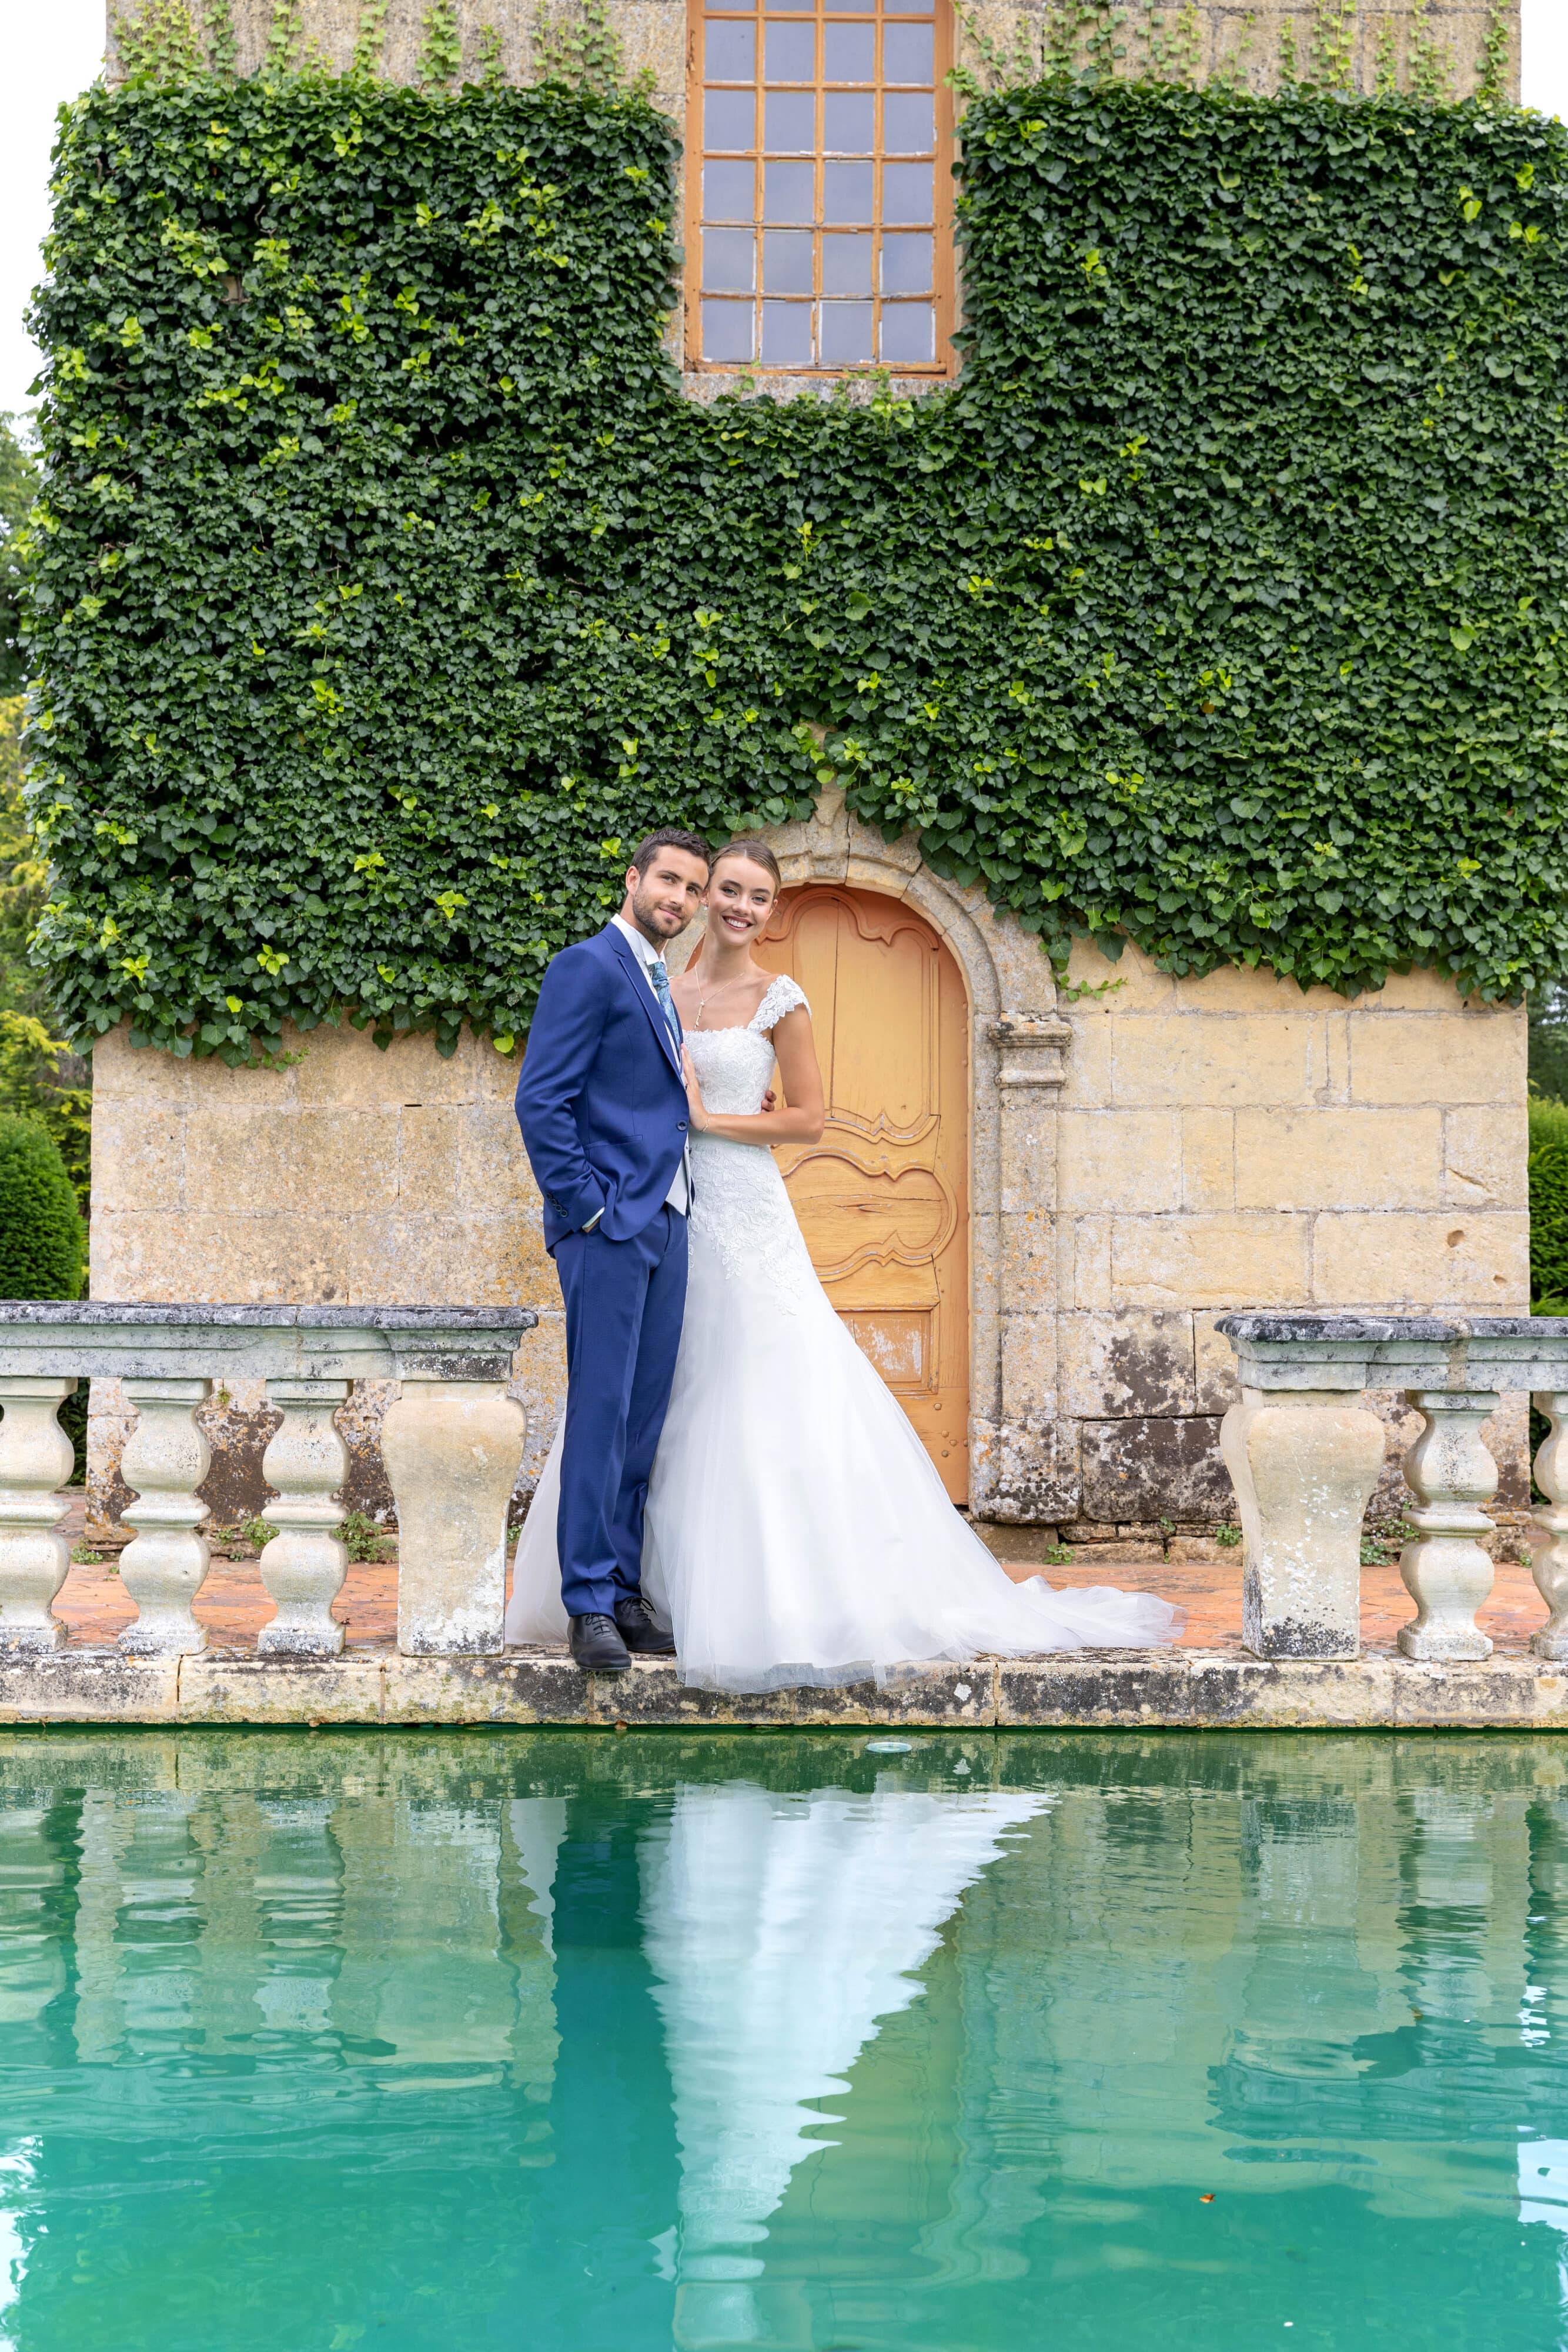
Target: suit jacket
x,y
601,1101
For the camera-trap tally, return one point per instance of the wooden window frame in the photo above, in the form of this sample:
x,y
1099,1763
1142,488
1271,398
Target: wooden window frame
x,y
944,364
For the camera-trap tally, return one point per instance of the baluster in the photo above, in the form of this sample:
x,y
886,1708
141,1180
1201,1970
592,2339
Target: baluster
x,y
36,1460
166,1563
304,1565
452,1450
1547,1532
1445,1570
1305,1463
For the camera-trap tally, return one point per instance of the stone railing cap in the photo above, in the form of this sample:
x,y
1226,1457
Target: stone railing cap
x,y
1372,1331
314,1319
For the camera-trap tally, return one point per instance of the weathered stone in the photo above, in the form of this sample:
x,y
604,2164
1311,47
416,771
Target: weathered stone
x,y
940,1694
528,1686
1430,1058
89,1686
1447,1571
1153,1467
164,1566
36,1457
1024,1469
1210,1260
1193,1687
1133,1363
304,1564
1304,1467
1331,1158
223,1686
452,1451
1548,1531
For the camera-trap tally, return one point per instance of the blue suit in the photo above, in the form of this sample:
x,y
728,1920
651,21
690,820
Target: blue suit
x,y
602,1103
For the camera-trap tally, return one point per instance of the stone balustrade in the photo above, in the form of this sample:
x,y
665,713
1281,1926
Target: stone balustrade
x,y
1304,1452
452,1444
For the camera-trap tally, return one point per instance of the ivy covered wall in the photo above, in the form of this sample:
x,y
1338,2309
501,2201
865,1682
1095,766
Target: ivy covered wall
x,y
387,587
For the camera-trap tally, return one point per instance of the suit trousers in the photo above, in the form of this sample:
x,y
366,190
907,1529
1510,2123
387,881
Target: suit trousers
x,y
624,1301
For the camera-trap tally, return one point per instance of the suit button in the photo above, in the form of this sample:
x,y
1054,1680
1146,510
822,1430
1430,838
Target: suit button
x,y
682,1125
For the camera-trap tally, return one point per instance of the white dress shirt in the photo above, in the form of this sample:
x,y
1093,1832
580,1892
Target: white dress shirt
x,y
647,955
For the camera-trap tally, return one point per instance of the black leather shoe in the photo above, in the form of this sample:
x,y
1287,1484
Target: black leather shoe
x,y
596,1646
640,1628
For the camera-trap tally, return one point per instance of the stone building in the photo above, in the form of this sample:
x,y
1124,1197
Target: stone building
x,y
1031,1201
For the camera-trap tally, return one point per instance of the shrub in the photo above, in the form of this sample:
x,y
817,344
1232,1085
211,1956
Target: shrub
x,y
1549,1207
43,1242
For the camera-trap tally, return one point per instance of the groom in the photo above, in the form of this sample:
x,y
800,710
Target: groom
x,y
603,1106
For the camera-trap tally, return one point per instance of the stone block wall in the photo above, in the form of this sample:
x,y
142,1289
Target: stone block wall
x,y
349,1176
1230,1136
1246,45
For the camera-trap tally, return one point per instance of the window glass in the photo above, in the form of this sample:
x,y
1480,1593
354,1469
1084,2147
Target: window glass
x,y
730,261
818,219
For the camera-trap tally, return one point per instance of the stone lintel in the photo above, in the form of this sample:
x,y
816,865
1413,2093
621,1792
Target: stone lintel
x,y
1142,1689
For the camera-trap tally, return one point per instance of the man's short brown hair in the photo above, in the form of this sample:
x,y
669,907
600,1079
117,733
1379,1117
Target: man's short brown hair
x,y
670,837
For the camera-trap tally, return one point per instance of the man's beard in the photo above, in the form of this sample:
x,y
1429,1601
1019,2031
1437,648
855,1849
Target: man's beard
x,y
644,905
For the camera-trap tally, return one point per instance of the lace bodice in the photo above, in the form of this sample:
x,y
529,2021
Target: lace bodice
x,y
739,1206
734,1066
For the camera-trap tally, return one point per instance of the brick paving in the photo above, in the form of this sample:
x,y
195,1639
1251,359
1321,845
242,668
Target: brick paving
x,y
232,1603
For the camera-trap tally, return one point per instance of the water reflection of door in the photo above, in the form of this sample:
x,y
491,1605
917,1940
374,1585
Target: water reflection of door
x,y
884,1198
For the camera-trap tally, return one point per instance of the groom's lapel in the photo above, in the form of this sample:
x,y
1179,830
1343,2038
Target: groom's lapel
x,y
637,979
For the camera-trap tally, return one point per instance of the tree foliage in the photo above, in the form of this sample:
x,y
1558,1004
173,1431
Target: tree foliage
x,y
386,586
18,481
42,1245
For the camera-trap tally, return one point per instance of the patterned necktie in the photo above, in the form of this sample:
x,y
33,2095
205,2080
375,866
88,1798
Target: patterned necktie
x,y
660,977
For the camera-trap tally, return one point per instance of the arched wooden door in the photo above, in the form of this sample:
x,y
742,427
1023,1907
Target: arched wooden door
x,y
883,1199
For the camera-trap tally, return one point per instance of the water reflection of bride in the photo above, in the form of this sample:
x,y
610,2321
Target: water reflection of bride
x,y
780,1929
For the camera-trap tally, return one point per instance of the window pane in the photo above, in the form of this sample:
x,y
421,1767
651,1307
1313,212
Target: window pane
x,y
907,191
849,122
909,333
846,333
730,52
729,119
849,52
735,7
846,265
786,334
729,257
852,7
789,122
788,192
901,7
791,52
727,330
908,53
908,123
787,261
906,265
729,192
846,191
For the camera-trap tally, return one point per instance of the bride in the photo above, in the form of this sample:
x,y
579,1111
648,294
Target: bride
x,y
797,1531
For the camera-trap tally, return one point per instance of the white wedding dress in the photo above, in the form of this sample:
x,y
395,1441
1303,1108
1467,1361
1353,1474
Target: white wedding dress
x,y
797,1531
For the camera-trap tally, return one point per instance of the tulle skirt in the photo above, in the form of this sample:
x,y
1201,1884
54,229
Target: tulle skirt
x,y
797,1531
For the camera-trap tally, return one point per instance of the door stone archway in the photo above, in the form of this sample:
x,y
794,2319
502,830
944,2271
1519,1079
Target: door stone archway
x,y
1019,1469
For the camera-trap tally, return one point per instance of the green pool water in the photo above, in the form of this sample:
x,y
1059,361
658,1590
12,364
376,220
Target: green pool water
x,y
431,2040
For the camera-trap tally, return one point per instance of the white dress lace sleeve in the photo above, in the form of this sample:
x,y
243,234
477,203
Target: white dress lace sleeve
x,y
782,995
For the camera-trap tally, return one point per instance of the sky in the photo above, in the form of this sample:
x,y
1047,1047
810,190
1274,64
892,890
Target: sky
x,y
53,49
